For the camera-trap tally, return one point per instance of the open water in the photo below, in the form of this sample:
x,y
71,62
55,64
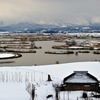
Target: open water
x,y
40,58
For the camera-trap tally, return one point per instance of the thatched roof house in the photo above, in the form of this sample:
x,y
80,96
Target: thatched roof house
x,y
80,80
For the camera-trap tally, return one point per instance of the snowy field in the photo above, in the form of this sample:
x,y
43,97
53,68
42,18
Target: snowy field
x,y
84,34
16,82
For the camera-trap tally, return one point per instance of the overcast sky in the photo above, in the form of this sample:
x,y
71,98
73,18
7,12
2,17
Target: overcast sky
x,y
79,12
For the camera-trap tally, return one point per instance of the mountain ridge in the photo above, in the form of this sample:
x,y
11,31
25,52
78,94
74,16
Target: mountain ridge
x,y
46,28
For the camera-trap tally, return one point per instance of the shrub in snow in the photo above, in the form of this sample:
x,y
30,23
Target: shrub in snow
x,y
84,95
49,96
49,78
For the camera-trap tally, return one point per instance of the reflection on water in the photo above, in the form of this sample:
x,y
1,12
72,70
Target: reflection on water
x,y
40,58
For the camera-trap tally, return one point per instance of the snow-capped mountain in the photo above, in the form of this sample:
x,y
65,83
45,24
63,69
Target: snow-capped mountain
x,y
49,28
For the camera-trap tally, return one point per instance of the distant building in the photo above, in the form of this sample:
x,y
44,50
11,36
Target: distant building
x,y
71,42
80,80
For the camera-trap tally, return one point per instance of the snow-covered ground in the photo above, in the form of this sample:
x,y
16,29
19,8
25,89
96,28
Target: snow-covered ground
x,y
16,82
84,34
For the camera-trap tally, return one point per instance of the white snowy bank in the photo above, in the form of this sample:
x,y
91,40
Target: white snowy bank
x,y
6,55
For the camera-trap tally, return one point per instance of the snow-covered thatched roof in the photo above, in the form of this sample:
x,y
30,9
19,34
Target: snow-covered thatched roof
x,y
80,77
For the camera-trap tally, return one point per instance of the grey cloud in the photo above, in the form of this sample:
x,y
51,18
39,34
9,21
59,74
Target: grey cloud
x,y
50,11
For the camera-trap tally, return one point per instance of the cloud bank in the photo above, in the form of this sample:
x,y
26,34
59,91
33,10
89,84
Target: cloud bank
x,y
79,12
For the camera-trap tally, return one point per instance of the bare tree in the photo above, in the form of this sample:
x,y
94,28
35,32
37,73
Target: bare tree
x,y
57,91
31,90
